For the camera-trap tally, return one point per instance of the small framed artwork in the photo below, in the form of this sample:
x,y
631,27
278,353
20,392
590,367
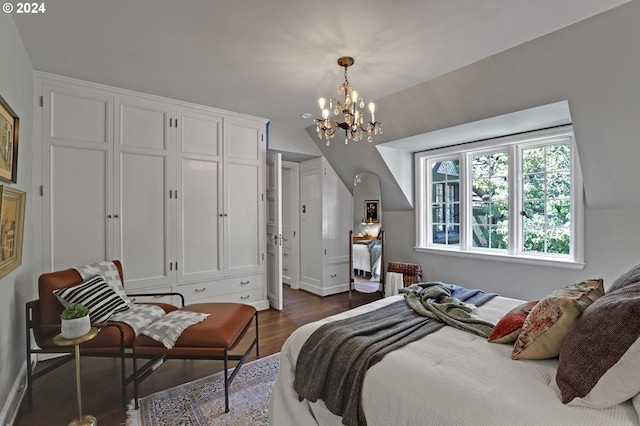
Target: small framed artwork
x,y
12,203
9,131
371,211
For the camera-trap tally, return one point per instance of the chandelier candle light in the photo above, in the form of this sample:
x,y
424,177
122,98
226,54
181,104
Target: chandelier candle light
x,y
350,108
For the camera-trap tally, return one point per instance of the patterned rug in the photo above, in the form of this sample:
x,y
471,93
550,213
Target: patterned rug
x,y
201,402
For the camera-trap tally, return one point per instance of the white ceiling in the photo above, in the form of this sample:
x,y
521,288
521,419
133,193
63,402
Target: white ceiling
x,y
274,58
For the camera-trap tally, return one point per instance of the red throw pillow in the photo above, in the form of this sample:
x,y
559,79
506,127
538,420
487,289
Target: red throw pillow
x,y
509,326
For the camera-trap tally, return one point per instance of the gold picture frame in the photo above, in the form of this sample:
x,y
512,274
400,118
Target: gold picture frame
x,y
9,131
12,204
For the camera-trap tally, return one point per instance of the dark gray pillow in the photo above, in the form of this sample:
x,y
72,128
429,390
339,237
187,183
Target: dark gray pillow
x,y
630,277
599,363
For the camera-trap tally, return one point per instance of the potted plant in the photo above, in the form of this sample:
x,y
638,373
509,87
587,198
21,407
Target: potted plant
x,y
75,321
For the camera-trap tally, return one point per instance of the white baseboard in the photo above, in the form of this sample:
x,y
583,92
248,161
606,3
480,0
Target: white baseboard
x,y
16,393
322,291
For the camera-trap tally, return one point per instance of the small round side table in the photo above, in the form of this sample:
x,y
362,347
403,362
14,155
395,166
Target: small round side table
x,y
61,341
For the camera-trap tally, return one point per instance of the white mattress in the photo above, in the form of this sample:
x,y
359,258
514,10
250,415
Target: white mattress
x,y
449,377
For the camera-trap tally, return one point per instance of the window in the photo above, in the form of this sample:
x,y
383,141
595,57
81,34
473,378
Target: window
x,y
517,197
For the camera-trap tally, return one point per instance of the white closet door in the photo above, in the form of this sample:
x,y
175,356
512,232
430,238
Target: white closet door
x,y
200,215
244,205
143,206
274,230
81,231
77,164
337,218
311,232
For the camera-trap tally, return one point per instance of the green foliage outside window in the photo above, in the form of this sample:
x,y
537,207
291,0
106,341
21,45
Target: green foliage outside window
x,y
546,193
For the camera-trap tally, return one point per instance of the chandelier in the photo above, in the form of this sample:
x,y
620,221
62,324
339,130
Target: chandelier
x,y
352,119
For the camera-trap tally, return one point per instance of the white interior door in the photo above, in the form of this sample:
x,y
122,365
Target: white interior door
x,y
274,231
290,224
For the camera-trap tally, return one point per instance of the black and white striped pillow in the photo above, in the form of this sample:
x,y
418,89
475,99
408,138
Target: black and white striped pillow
x,y
95,295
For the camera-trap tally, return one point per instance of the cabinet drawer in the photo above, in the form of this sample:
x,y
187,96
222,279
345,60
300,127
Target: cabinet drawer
x,y
247,296
336,274
174,300
223,286
286,253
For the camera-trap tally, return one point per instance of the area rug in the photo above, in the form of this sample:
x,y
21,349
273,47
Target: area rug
x,y
201,402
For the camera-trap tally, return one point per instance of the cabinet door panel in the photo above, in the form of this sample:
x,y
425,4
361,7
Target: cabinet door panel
x,y
200,220
77,115
142,123
77,214
77,175
200,134
311,238
337,218
242,223
244,141
144,231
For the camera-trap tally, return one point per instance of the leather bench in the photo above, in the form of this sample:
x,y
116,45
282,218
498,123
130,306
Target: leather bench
x,y
214,338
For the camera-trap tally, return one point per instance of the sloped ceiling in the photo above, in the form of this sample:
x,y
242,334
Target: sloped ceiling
x,y
593,65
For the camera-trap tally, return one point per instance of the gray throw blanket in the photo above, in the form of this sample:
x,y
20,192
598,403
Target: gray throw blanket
x,y
333,361
375,250
435,300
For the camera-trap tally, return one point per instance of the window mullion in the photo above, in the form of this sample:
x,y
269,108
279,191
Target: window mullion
x,y
423,182
515,200
465,202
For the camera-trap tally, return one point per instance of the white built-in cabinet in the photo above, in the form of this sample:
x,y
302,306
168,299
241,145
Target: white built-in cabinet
x,y
325,221
173,190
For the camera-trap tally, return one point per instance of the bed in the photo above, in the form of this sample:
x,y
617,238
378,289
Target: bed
x,y
362,260
449,377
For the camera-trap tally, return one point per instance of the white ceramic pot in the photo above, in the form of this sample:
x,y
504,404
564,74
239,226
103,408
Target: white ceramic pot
x,y
74,328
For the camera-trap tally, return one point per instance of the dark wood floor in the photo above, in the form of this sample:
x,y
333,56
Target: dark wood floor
x,y
54,395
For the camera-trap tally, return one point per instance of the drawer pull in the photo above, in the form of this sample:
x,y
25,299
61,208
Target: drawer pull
x,y
334,275
285,254
133,299
200,290
285,269
244,297
244,282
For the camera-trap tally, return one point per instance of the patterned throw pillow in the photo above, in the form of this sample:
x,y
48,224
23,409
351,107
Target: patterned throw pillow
x,y
599,363
508,328
95,295
549,322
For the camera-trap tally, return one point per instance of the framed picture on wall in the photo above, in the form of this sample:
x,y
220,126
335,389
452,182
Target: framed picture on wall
x,y
12,203
371,211
9,126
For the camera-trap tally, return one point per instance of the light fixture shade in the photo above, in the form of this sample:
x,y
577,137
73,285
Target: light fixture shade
x,y
350,106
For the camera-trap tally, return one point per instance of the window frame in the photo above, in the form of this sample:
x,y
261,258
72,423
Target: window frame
x,y
514,145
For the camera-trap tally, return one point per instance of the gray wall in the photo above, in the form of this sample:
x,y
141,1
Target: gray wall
x,y
595,65
16,87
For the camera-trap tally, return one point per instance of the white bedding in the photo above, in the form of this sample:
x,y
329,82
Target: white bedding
x,y
362,260
449,377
